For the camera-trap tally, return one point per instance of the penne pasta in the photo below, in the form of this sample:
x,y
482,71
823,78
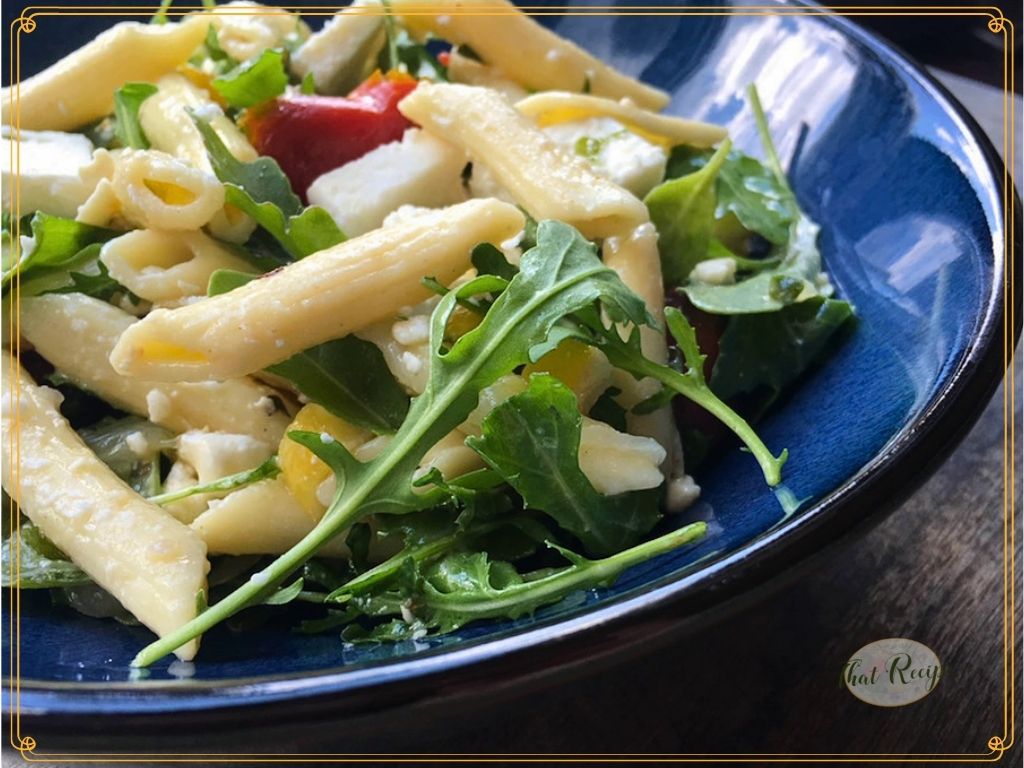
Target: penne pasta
x,y
150,189
545,180
79,89
165,119
167,268
463,69
552,107
76,334
325,296
169,128
523,50
155,566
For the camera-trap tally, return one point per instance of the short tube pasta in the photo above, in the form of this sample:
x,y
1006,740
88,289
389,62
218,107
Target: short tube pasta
x,y
155,566
324,296
167,268
550,107
79,88
165,119
76,334
156,191
523,50
546,181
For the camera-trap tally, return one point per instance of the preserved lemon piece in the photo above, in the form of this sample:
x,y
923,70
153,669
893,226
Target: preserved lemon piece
x,y
582,368
303,473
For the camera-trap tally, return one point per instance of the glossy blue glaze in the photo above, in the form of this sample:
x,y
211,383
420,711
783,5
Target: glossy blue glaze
x,y
910,216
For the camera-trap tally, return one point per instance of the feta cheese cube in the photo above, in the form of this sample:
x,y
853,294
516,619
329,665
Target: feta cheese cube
x,y
49,162
418,170
616,153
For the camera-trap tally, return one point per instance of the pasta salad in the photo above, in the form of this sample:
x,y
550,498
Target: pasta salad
x,y
378,330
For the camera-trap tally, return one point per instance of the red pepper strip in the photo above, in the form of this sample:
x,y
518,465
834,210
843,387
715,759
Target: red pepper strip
x,y
310,135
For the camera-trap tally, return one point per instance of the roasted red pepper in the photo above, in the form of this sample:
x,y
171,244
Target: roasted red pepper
x,y
310,135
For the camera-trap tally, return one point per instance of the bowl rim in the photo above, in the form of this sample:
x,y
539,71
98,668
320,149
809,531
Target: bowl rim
x,y
917,450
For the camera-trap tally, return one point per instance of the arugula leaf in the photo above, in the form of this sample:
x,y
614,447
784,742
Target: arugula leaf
x,y
489,260
261,190
606,409
160,17
557,278
56,245
772,350
745,187
798,276
98,284
127,100
683,211
211,56
108,439
268,469
404,54
350,378
468,586
255,81
225,280
533,441
36,562
626,354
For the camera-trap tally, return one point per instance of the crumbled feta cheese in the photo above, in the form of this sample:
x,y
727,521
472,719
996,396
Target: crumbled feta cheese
x,y
415,330
411,362
720,271
614,151
137,444
158,406
326,439
681,493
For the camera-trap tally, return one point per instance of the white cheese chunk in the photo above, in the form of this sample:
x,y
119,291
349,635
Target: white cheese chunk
x,y
418,170
214,455
720,271
615,152
48,163
260,519
615,462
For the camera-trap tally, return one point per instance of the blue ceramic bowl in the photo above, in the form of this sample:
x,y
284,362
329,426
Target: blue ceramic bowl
x,y
909,196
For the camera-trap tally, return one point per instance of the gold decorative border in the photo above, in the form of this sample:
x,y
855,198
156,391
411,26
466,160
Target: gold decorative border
x,y
997,24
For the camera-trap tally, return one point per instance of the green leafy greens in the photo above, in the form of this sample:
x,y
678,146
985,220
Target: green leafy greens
x,y
261,190
532,440
254,82
127,100
56,246
561,275
683,212
348,376
31,561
